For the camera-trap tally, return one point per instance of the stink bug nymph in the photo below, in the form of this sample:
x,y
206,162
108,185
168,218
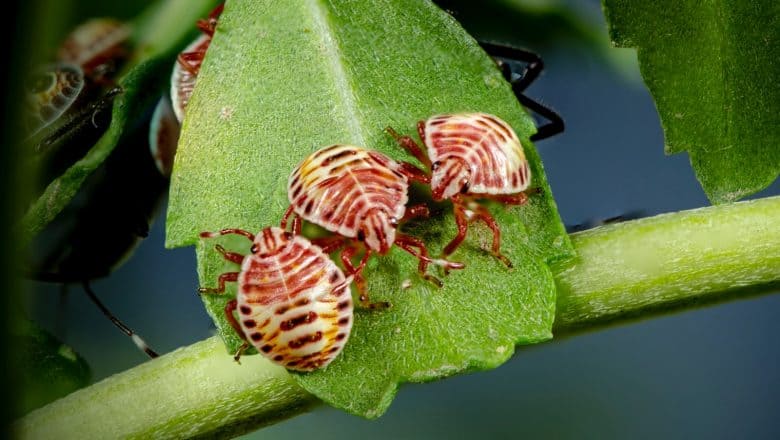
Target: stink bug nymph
x,y
472,155
294,304
360,195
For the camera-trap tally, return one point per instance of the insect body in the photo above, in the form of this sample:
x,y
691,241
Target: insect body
x,y
167,118
185,72
360,195
472,155
68,109
51,91
98,46
294,304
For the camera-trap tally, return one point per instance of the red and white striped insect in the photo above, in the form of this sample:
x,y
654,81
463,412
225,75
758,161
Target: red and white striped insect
x,y
98,46
472,155
360,195
168,115
294,304
185,72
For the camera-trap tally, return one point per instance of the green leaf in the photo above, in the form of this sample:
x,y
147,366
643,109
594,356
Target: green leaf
x,y
713,70
48,368
158,35
283,80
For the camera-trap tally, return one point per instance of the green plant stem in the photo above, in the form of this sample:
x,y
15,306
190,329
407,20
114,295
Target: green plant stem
x,y
623,271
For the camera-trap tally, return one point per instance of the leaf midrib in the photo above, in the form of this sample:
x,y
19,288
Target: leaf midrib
x,y
340,77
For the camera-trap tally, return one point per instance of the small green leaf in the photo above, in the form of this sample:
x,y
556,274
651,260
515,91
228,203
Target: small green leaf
x,y
48,368
158,35
282,80
713,69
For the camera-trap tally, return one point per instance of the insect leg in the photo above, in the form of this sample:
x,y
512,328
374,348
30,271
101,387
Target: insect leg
x,y
482,214
534,63
514,199
286,217
246,234
224,278
410,145
407,243
415,211
329,244
230,307
550,129
209,25
233,257
137,340
357,272
414,174
533,68
462,221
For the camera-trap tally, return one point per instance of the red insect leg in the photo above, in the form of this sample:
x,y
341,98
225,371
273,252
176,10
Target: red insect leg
x,y
410,145
297,222
184,59
461,219
482,214
415,211
230,307
209,25
360,281
233,257
246,234
414,174
226,277
463,226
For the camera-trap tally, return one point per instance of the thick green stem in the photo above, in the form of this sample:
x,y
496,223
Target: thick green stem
x,y
640,268
624,271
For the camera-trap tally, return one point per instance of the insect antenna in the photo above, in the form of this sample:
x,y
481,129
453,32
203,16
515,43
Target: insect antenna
x,y
139,342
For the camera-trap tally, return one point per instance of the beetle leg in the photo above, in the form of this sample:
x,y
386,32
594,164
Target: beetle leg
x,y
410,145
233,257
224,278
231,307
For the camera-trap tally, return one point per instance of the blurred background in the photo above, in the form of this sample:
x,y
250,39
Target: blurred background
x,y
713,372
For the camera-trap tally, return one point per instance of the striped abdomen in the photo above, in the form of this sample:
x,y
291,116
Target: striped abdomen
x,y
184,78
97,41
345,189
294,303
487,146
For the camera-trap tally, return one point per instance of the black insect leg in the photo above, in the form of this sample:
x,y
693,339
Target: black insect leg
x,y
534,64
533,68
139,342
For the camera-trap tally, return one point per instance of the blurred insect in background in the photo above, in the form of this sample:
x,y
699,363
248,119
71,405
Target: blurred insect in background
x,y
69,109
169,114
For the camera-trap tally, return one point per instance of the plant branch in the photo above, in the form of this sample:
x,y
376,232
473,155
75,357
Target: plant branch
x,y
625,271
